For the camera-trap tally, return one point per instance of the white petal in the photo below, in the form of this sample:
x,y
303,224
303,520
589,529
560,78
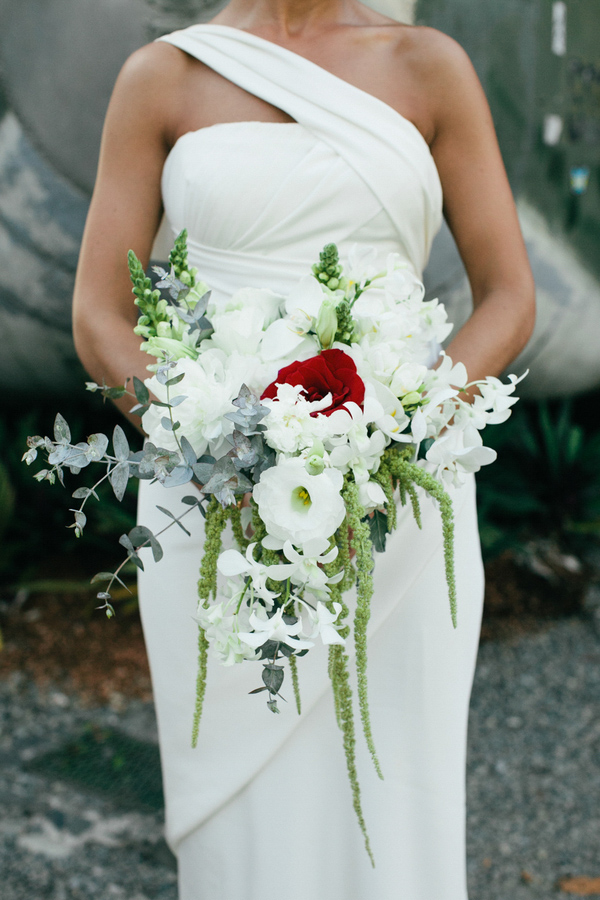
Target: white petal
x,y
231,563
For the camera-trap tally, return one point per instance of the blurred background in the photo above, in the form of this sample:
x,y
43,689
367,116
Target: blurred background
x,y
539,505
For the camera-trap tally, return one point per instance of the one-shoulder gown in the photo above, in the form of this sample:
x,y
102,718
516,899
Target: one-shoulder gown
x,y
262,807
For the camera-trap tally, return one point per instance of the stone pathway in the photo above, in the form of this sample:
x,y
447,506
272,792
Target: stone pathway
x,y
534,781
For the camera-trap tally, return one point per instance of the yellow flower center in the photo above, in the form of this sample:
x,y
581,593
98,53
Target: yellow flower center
x,y
301,500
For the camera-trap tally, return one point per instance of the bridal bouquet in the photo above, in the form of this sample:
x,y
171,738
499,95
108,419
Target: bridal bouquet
x,y
300,419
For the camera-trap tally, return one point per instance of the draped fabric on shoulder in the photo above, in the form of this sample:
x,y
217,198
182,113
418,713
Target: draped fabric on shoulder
x,y
385,149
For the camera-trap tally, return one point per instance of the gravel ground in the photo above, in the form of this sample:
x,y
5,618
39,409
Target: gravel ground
x,y
534,782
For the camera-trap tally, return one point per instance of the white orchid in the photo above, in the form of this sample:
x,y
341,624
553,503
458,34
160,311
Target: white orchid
x,y
458,452
274,628
306,569
324,623
232,563
221,623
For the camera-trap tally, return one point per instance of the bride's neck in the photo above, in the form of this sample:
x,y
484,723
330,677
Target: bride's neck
x,y
287,17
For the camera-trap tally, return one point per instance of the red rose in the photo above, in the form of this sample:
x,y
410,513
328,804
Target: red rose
x,y
332,372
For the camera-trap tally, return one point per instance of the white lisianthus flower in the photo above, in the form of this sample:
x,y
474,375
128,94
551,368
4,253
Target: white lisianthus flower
x,y
238,330
299,507
274,629
288,337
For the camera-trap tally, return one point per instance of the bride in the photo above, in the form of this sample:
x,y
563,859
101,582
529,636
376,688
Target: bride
x,y
280,126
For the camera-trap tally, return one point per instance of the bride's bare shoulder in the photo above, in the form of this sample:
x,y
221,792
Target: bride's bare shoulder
x,y
437,60
151,81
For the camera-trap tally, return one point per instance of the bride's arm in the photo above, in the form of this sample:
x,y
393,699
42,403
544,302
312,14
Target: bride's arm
x,y
125,213
479,208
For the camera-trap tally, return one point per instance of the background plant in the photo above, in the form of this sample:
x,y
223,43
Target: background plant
x,y
545,487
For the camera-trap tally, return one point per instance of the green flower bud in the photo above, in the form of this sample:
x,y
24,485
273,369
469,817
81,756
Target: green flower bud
x,y
317,448
411,399
186,278
333,284
327,323
314,465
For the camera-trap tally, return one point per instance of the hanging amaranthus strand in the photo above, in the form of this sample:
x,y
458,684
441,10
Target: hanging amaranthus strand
x,y
216,518
361,543
411,474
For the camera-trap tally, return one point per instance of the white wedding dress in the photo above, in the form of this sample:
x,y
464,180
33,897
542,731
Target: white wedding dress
x,y
263,807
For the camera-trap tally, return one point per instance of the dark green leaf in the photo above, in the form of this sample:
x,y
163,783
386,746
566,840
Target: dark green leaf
x,y
272,676
378,525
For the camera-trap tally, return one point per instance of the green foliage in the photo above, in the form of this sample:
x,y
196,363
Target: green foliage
x,y
546,482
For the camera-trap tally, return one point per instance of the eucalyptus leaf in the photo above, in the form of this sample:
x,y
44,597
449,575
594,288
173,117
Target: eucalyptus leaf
x,y
120,444
174,518
141,391
118,478
98,444
140,534
179,475
203,471
101,576
175,380
189,454
62,431
125,541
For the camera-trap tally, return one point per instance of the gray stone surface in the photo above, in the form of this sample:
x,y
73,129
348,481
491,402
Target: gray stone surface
x,y
533,783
